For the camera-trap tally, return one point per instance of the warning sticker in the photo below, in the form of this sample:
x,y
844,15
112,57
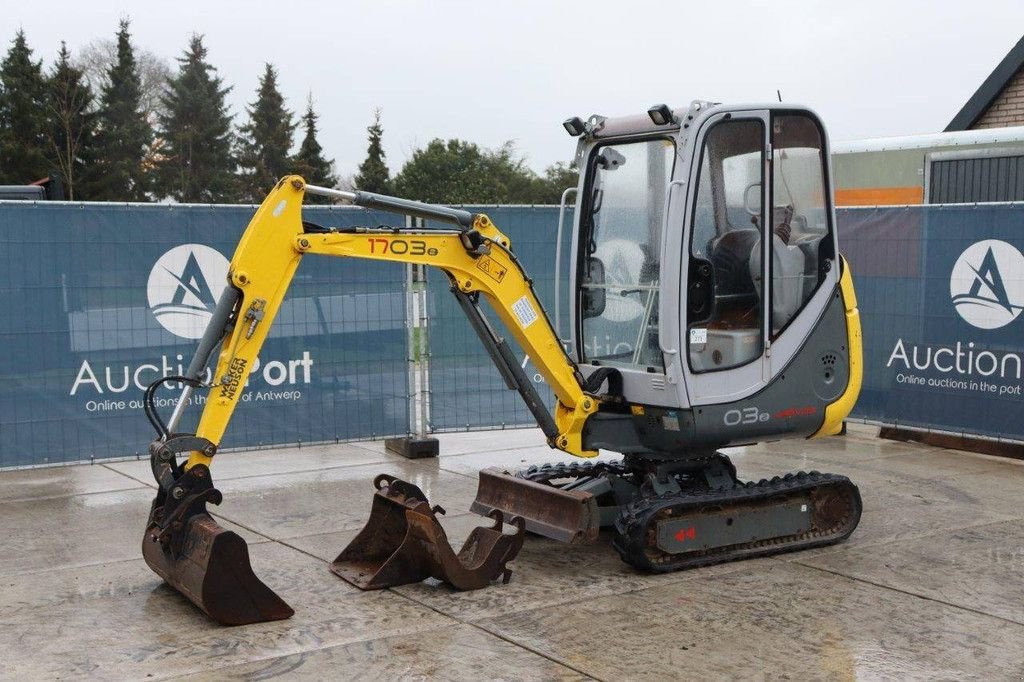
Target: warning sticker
x,y
491,268
524,312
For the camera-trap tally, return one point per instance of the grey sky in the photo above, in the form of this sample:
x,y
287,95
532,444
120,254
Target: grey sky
x,y
490,71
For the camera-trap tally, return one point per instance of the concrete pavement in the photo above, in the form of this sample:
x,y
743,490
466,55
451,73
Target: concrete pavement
x,y
930,586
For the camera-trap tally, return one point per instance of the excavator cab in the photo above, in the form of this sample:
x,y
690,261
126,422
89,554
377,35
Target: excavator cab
x,y
706,256
709,308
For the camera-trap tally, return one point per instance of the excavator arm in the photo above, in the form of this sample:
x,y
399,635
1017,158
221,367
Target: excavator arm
x,y
403,540
476,257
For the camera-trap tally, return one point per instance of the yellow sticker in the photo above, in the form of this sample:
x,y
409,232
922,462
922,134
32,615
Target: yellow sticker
x,y
491,268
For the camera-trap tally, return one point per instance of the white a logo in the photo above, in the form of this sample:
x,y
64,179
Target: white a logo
x,y
987,284
184,286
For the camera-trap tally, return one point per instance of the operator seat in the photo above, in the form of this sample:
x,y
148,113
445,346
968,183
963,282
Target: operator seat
x,y
730,254
788,264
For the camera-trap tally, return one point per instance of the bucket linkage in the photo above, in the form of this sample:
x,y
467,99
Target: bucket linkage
x,y
194,554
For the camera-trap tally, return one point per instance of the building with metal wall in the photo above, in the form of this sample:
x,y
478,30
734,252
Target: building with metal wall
x,y
979,158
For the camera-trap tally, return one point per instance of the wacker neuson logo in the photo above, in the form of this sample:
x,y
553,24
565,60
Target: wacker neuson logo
x,y
987,284
184,286
986,288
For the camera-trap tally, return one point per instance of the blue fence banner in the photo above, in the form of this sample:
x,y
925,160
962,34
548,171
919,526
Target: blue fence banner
x,y
941,290
101,299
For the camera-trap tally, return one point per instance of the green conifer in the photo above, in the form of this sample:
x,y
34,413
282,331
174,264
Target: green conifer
x,y
197,163
310,161
72,122
373,172
22,116
120,171
266,140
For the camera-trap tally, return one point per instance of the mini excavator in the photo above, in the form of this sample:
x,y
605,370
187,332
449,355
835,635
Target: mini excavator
x,y
709,308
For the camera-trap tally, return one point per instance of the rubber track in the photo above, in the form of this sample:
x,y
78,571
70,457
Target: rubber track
x,y
635,536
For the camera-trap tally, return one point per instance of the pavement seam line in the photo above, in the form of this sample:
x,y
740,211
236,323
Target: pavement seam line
x,y
449,616
106,465
520,645
148,484
44,498
299,652
922,597
271,473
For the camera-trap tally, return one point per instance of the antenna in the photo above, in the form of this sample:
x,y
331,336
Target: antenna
x,y
779,94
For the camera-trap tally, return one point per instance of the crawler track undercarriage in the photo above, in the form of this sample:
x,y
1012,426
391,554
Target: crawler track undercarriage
x,y
673,515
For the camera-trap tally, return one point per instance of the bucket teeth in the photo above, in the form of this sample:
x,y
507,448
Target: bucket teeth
x,y
403,542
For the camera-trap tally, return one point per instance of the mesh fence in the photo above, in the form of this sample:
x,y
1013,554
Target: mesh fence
x,y
940,289
101,299
466,391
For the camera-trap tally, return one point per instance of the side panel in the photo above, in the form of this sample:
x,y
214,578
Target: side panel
x,y
793,404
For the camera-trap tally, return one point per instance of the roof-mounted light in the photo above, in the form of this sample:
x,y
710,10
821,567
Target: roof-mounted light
x,y
574,126
661,115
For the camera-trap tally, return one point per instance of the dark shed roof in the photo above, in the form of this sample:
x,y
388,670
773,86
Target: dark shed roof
x,y
983,98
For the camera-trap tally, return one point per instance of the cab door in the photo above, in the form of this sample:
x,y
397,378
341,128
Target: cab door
x,y
618,254
725,317
803,268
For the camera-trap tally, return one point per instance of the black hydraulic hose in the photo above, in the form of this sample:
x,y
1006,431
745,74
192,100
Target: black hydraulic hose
x,y
150,408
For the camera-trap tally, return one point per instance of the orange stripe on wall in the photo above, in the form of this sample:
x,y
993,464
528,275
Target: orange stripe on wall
x,y
879,196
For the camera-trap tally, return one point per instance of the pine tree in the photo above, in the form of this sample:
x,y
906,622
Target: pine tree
x,y
373,172
310,162
265,140
22,116
120,172
71,121
197,163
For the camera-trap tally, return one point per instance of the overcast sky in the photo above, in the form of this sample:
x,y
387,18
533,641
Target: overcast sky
x,y
491,70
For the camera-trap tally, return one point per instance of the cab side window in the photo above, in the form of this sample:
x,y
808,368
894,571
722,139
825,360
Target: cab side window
x,y
726,327
801,221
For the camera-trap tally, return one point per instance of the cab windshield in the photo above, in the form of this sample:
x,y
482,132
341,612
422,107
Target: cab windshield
x,y
620,253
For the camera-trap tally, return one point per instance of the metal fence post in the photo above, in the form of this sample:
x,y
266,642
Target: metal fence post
x,y
416,443
423,347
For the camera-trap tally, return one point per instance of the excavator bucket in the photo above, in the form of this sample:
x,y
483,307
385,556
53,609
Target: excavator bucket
x,y
570,516
403,542
210,566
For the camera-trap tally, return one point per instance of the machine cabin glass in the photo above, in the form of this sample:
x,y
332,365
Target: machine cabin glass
x,y
802,243
729,318
725,313
620,253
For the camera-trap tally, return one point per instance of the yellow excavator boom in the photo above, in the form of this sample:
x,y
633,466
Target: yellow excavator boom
x,y
478,261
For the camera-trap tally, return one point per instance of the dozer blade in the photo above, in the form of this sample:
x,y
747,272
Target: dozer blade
x,y
403,542
210,566
570,516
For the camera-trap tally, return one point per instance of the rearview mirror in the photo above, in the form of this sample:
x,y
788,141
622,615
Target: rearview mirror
x,y
752,199
592,300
